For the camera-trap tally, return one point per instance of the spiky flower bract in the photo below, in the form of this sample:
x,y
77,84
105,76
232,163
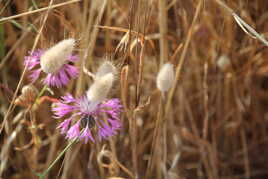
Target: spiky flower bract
x,y
88,120
55,63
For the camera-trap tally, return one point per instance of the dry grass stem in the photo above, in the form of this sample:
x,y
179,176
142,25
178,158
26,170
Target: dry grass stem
x,y
160,89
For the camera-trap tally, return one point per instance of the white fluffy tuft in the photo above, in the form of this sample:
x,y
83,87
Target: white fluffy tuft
x,y
105,68
56,56
100,88
165,77
224,62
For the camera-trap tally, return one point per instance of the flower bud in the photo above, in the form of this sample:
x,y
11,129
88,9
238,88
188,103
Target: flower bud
x,y
165,77
55,57
27,97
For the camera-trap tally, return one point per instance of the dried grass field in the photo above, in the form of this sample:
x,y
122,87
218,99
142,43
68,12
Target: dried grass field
x,y
156,89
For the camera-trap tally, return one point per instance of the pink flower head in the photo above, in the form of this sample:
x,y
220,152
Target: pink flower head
x,y
56,63
91,120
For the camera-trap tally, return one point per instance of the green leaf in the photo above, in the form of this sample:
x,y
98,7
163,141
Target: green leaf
x,y
2,46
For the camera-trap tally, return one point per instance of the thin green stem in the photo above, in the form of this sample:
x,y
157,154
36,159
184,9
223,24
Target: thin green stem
x,y
42,175
42,92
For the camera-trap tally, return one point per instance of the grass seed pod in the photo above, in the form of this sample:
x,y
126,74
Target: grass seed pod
x,y
56,56
165,77
105,68
100,88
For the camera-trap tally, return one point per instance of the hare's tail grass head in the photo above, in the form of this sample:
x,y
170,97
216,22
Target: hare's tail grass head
x,y
165,77
55,57
101,87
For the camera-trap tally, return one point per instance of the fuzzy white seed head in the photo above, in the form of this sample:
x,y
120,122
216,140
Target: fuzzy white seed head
x,y
165,77
223,62
100,88
56,56
105,68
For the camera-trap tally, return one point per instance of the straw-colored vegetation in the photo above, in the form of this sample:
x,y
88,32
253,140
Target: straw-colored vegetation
x,y
212,123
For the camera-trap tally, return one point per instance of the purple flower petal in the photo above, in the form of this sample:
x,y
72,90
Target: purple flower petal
x,y
64,126
114,123
62,109
71,70
105,131
63,78
86,135
73,58
68,98
74,131
35,75
33,59
52,80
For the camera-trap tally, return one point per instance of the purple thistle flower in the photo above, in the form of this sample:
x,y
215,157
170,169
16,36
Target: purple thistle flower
x,y
55,63
64,126
91,120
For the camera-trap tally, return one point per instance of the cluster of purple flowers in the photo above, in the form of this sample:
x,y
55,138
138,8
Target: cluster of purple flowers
x,y
86,119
